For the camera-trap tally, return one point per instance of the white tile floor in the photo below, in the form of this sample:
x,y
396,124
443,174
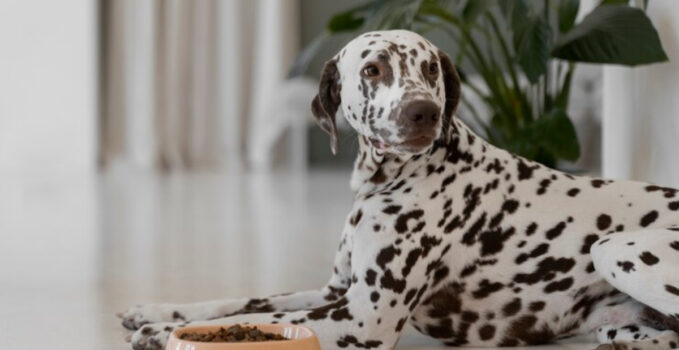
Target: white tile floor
x,y
75,249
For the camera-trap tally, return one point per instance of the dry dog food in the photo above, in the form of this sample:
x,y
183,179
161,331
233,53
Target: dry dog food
x,y
233,334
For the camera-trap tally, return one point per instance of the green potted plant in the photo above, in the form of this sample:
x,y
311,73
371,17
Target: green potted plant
x,y
525,53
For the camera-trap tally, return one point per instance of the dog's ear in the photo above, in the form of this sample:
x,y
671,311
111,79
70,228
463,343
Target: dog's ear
x,y
451,86
327,101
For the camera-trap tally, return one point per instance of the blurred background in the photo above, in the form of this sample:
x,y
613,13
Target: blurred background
x,y
201,86
163,150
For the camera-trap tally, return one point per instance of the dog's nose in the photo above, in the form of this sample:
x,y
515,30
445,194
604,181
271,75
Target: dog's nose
x,y
421,114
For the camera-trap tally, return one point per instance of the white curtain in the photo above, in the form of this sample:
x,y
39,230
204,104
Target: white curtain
x,y
185,84
48,89
641,110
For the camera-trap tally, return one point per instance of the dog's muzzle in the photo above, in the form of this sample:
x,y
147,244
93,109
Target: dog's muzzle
x,y
418,123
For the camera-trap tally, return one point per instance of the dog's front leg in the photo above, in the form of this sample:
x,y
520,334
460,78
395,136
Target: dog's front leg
x,y
138,316
388,282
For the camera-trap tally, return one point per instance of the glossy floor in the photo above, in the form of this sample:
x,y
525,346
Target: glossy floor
x,y
75,249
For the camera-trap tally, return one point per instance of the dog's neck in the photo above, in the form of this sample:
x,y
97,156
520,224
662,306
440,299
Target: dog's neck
x,y
375,170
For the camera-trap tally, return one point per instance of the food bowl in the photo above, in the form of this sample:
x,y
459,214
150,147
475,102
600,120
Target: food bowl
x,y
299,338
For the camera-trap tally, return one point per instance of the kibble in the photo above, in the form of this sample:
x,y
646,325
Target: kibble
x,y
233,334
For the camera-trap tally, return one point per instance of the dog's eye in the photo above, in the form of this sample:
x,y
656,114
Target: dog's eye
x,y
433,68
371,71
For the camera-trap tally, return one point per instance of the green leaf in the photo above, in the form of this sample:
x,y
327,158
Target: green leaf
x,y
475,8
431,8
546,158
349,20
612,34
345,22
562,96
376,15
568,10
515,11
396,14
505,6
521,142
531,43
446,3
530,34
556,133
614,2
422,26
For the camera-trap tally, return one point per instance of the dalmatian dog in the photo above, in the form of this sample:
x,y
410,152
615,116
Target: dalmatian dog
x,y
468,243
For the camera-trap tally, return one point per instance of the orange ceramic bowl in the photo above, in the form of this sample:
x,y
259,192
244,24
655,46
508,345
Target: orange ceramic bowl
x,y
299,338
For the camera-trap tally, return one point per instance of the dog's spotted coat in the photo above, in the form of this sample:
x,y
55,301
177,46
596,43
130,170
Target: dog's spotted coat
x,y
466,242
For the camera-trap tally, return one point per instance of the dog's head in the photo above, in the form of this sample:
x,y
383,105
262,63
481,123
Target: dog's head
x,y
394,87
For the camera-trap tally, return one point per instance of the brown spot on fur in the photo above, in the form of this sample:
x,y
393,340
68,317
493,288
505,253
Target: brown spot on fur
x,y
401,225
587,244
555,231
626,266
512,308
392,209
487,332
597,183
536,306
573,192
525,329
386,255
559,286
356,218
321,313
648,258
546,270
486,288
603,221
649,218
672,289
659,321
378,177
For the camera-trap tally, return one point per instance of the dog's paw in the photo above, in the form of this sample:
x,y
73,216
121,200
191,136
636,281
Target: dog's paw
x,y
138,316
152,336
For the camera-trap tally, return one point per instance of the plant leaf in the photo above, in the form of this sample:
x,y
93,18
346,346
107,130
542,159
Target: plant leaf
x,y
392,14
516,11
530,34
400,14
568,10
521,142
531,43
345,22
513,9
614,2
612,34
556,133
349,20
562,96
431,8
475,8
505,6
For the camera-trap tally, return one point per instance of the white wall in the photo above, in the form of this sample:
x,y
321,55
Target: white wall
x,y
641,110
47,85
